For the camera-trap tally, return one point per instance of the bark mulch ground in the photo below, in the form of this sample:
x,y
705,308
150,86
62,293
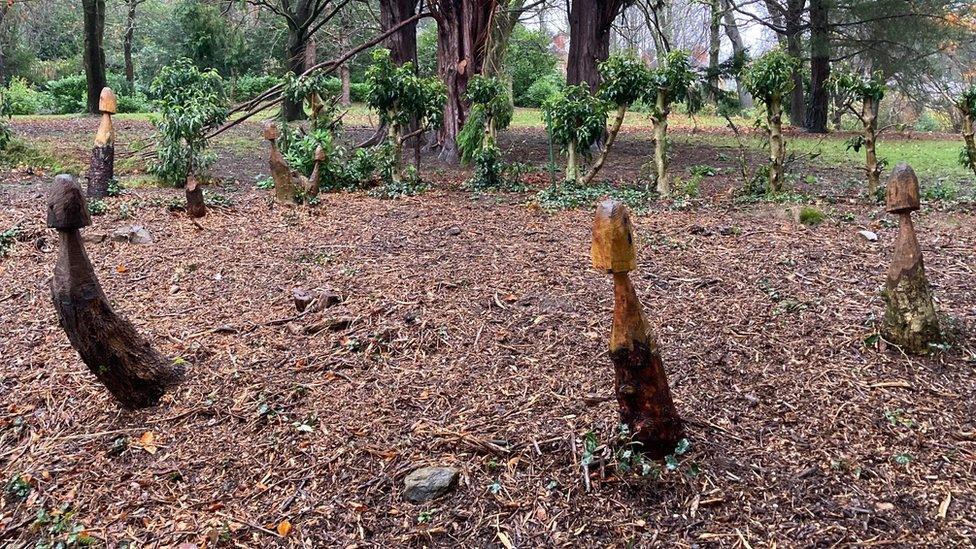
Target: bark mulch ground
x,y
470,333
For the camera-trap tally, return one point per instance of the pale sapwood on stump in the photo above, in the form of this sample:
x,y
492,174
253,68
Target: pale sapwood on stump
x,y
195,206
910,320
101,169
640,382
135,373
284,182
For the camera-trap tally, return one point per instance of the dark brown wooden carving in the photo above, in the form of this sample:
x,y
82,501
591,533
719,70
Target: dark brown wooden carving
x,y
640,382
101,169
910,319
135,373
311,183
195,206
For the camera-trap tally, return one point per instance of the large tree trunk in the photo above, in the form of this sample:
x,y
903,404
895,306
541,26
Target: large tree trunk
x,y
794,15
125,362
816,116
127,39
738,50
590,22
714,45
402,44
294,109
462,31
659,140
94,55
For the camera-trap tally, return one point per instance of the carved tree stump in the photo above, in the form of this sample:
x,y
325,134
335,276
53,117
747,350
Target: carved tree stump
x,y
195,206
640,382
910,320
101,169
312,183
129,367
284,183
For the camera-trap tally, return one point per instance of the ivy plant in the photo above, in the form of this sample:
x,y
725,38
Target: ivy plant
x,y
491,111
400,97
769,78
668,83
188,101
850,87
575,120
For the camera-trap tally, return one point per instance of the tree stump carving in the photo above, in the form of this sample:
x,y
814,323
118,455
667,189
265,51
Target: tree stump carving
x,y
640,382
129,367
910,320
101,169
195,205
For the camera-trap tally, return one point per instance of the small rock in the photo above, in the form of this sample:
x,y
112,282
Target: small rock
x,y
94,238
302,299
884,506
454,231
868,235
429,483
134,234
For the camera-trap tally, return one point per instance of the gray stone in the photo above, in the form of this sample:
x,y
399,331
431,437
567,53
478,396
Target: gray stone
x,y
868,235
454,231
429,483
133,234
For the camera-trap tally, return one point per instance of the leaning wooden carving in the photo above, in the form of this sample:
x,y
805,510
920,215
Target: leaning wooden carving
x,y
910,319
640,382
290,185
101,169
135,373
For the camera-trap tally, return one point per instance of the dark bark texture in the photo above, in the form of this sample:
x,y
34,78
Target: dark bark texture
x,y
590,22
816,114
195,206
129,367
94,52
794,47
101,170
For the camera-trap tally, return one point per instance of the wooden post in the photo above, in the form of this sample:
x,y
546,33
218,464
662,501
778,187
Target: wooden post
x,y
101,169
284,186
135,373
640,382
910,320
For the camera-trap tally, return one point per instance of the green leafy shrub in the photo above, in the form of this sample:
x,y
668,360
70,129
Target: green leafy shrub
x,y
491,111
67,95
769,78
7,239
575,120
24,99
941,190
541,90
669,83
189,101
572,195
810,216
358,92
250,86
399,97
528,60
97,206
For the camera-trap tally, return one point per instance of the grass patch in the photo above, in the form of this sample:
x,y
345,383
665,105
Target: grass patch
x,y
811,216
19,154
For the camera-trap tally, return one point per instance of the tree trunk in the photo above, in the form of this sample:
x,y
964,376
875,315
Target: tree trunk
x,y
127,39
94,54
590,22
869,116
794,22
640,382
618,121
572,164
969,136
714,45
293,109
195,206
816,115
125,362
738,50
462,31
777,146
403,44
101,169
659,140
346,98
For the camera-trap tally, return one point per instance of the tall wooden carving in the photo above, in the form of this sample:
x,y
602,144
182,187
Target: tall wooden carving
x,y
640,382
101,169
910,319
135,373
284,185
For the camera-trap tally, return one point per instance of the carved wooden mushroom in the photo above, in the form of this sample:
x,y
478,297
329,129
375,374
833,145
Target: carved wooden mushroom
x,y
129,367
284,184
101,169
640,382
910,320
